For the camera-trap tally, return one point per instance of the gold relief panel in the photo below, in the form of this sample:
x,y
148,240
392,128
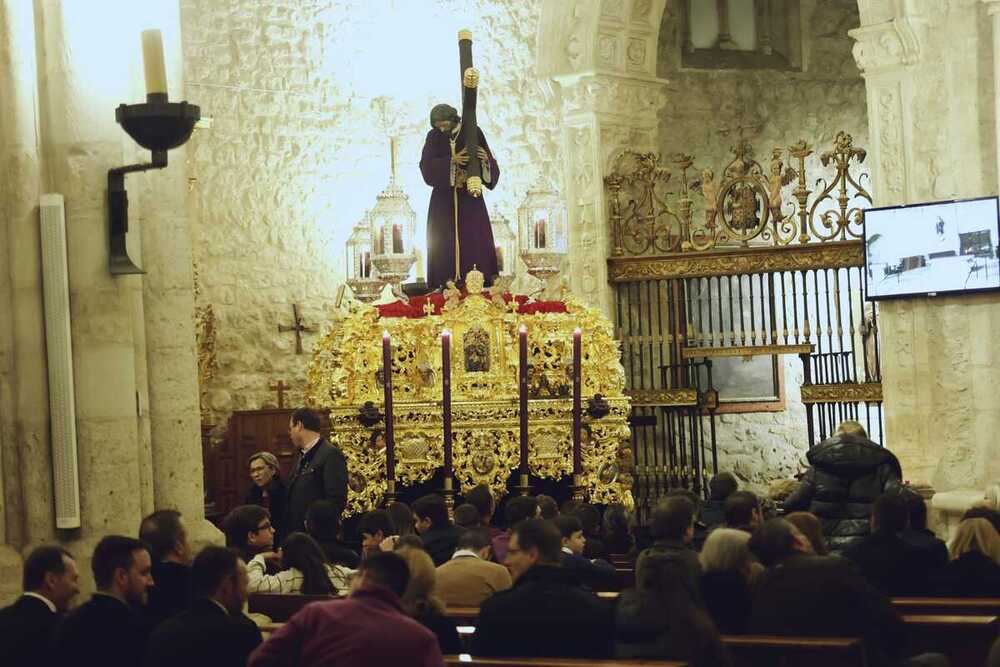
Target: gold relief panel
x,y
866,392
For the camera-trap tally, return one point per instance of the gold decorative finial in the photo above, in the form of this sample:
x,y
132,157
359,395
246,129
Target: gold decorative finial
x,y
474,184
474,281
464,33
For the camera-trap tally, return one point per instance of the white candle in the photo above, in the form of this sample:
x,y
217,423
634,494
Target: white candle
x,y
420,266
152,62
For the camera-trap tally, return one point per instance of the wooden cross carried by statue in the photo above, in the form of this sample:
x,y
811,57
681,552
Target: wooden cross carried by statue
x,y
298,327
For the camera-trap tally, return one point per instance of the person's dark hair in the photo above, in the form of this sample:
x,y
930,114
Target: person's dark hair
x,y
444,112
323,520
518,509
671,518
772,541
690,495
41,561
547,505
377,520
916,507
467,516
542,535
739,507
569,506
810,526
210,568
113,552
480,497
890,513
590,518
161,530
309,419
567,525
616,525
305,555
723,485
474,539
433,507
402,518
987,513
412,540
386,569
240,521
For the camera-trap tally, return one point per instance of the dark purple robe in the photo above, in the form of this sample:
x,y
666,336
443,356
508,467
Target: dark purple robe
x,y
475,236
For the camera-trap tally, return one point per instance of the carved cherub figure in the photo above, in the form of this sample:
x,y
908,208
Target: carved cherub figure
x,y
501,285
452,295
710,190
780,177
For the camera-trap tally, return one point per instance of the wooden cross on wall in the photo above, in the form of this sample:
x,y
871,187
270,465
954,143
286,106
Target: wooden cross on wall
x,y
298,327
281,388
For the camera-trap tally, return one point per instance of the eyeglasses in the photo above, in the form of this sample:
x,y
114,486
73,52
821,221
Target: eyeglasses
x,y
264,526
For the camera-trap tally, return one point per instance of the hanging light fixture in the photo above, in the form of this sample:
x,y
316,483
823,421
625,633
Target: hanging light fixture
x,y
542,234
506,244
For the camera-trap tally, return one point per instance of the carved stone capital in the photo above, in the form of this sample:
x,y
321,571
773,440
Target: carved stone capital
x,y
886,46
628,99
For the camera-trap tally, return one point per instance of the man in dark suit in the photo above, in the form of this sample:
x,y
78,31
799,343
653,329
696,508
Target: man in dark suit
x,y
165,533
50,582
884,558
320,472
109,629
805,595
438,534
596,574
546,613
213,632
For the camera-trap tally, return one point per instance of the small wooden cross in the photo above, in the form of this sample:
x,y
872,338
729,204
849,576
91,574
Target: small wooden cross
x,y
279,387
298,327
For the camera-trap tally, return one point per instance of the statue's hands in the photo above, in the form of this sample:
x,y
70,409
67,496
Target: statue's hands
x,y
461,158
483,155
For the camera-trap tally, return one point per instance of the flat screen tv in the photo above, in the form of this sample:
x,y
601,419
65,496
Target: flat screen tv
x,y
929,249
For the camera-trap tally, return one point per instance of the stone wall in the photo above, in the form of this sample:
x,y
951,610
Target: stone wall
x,y
298,150
705,111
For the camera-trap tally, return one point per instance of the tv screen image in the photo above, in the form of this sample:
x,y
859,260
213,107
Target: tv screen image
x,y
932,248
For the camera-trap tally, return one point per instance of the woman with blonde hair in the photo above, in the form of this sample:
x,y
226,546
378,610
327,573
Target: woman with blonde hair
x,y
421,604
726,567
974,568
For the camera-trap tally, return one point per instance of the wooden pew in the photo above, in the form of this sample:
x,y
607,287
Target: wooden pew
x,y
280,608
465,659
774,651
625,577
966,640
948,606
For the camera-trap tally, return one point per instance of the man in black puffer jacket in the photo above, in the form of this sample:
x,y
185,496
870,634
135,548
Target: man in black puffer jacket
x,y
848,473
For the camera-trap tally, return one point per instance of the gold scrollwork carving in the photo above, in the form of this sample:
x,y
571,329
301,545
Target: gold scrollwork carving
x,y
672,397
865,392
746,351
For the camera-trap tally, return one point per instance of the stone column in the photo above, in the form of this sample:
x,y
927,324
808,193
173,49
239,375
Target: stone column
x,y
24,439
925,102
168,299
80,82
603,115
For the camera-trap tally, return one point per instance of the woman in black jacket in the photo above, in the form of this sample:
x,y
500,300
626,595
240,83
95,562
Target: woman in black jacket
x,y
268,490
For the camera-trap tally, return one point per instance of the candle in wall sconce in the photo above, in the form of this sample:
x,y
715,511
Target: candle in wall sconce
x,y
577,453
446,398
152,62
390,441
522,395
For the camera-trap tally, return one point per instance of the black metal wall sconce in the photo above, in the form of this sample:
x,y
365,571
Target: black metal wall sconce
x,y
157,125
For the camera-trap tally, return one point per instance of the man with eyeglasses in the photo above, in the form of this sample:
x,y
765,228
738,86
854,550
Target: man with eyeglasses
x,y
248,529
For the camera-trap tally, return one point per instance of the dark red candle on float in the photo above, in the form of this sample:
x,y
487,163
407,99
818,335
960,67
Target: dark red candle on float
x,y
390,441
577,454
446,397
522,394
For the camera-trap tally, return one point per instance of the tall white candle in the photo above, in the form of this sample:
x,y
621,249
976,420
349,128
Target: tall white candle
x,y
420,266
152,62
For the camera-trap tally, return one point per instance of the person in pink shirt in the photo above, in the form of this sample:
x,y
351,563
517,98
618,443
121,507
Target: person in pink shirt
x,y
367,628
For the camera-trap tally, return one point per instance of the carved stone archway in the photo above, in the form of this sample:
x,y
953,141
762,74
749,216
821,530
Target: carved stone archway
x,y
603,55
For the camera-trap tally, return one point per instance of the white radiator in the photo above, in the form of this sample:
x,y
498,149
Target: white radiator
x,y
59,348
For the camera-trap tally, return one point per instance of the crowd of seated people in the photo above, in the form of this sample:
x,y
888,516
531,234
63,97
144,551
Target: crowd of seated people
x,y
702,571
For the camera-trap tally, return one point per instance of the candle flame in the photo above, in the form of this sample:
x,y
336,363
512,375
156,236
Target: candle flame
x,y
577,331
446,333
385,334
523,328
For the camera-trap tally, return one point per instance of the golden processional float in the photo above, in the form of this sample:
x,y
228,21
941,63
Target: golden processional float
x,y
483,369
